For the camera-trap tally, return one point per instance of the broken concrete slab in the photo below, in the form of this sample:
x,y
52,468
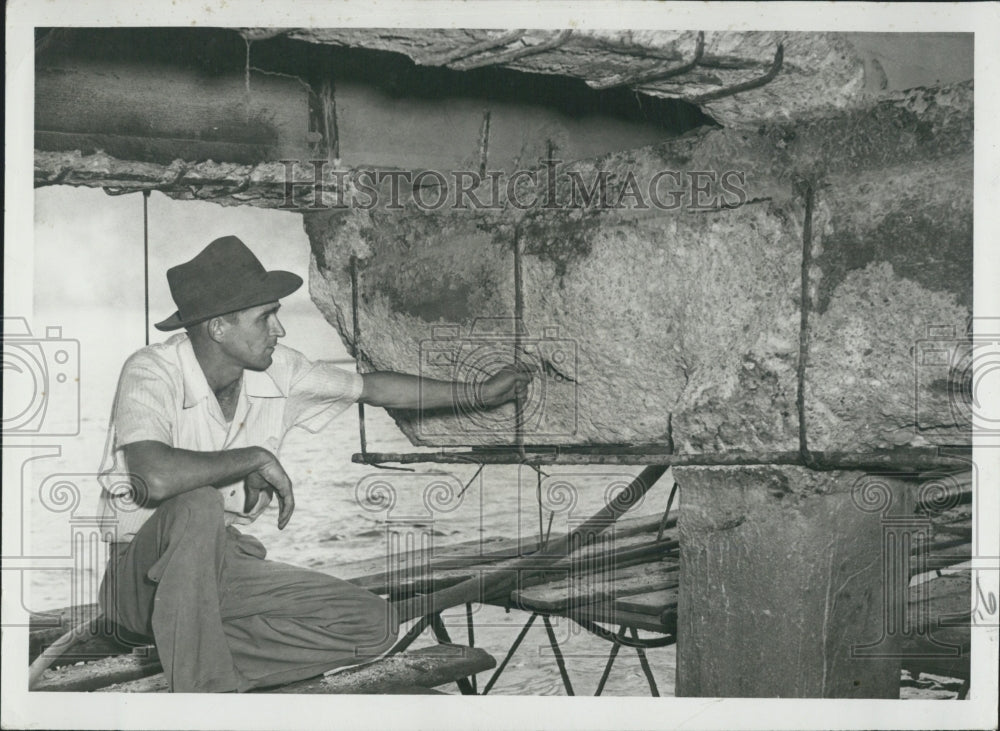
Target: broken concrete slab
x,y
819,72
680,324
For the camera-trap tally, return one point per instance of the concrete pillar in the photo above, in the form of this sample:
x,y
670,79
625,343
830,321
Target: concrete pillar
x,y
782,574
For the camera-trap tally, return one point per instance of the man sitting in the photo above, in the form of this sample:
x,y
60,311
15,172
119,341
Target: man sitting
x,y
197,423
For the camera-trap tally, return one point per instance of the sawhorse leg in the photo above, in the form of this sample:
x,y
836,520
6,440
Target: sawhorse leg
x,y
510,652
611,661
441,632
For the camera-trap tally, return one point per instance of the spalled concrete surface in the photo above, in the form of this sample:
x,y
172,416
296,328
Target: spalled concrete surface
x,y
821,72
783,576
682,326
892,271
671,311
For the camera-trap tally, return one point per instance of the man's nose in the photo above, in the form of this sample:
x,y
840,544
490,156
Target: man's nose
x,y
276,329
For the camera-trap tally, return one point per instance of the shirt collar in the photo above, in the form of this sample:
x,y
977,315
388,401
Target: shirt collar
x,y
259,384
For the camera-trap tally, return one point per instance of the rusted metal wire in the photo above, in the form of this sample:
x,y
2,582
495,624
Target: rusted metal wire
x,y
666,513
658,73
145,260
804,306
538,502
356,325
488,44
508,56
518,327
910,459
357,349
711,96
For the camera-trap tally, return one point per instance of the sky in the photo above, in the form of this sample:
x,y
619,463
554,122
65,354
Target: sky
x,y
88,274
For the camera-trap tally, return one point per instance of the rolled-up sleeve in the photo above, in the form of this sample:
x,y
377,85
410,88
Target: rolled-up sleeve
x,y
319,392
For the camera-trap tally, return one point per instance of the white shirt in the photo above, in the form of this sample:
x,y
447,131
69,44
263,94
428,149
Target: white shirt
x,y
163,396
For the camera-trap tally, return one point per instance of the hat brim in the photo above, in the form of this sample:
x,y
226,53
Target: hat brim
x,y
274,286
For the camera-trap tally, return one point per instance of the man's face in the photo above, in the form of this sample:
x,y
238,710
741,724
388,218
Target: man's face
x,y
252,334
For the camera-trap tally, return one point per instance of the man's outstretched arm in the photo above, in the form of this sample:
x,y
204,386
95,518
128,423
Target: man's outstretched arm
x,y
160,471
403,391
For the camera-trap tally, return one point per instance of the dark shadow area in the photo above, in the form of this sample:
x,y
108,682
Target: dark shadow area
x,y
213,52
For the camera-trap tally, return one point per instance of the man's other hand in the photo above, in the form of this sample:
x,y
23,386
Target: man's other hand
x,y
271,477
506,385
256,487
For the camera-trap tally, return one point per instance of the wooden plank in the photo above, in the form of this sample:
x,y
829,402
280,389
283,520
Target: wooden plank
x,y
584,589
606,613
414,570
153,684
652,603
44,628
100,673
93,647
475,550
528,576
947,598
426,667
411,690
487,550
107,640
423,668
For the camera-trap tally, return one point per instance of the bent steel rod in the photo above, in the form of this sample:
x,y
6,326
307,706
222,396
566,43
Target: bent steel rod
x,y
357,348
910,459
506,577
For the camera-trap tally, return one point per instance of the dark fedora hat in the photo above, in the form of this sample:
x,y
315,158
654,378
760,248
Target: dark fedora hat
x,y
224,277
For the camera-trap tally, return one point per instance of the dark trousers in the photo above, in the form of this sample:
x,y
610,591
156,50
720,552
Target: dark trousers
x,y
226,619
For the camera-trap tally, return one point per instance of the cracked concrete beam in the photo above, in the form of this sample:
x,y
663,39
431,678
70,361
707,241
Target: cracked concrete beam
x,y
691,315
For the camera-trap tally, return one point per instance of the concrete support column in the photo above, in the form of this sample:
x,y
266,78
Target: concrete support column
x,y
783,572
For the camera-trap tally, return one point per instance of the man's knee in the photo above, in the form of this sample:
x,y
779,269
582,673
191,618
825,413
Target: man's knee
x,y
200,501
382,627
207,498
200,509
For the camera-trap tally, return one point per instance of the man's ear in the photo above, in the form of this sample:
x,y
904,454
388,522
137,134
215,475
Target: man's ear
x,y
216,328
